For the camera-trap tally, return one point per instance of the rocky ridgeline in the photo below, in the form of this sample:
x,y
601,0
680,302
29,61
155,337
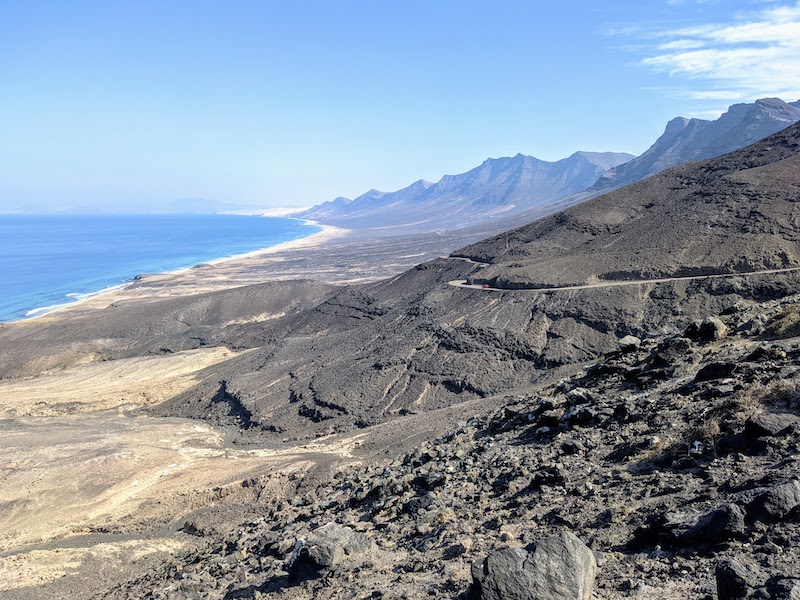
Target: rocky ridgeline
x,y
668,469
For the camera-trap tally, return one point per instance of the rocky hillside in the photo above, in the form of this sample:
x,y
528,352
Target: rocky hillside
x,y
732,214
667,469
686,140
498,187
413,344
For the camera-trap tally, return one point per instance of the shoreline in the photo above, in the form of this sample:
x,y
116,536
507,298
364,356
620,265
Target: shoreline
x,y
112,293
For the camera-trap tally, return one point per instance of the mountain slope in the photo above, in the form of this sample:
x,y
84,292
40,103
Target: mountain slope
x,y
686,140
413,343
499,186
735,213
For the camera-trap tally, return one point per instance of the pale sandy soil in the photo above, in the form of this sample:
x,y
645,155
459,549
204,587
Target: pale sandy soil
x,y
119,384
76,462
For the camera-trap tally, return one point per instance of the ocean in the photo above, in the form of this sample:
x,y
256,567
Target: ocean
x,y
49,261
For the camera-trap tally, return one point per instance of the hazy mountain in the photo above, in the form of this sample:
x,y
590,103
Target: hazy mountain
x,y
499,186
734,213
687,140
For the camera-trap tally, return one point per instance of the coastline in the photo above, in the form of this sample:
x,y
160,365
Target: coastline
x,y
119,292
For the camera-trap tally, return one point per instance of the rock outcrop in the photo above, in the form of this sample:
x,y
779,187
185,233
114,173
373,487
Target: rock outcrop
x,y
559,567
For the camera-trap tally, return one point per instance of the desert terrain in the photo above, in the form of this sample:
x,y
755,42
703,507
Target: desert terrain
x,y
613,388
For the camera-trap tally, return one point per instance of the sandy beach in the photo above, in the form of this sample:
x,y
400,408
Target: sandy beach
x,y
333,255
220,273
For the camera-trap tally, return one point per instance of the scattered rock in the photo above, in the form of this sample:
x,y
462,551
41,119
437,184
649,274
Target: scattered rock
x,y
771,424
715,370
629,343
330,546
709,329
784,588
720,524
776,504
673,349
737,581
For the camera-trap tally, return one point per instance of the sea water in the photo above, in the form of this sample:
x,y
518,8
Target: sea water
x,y
49,261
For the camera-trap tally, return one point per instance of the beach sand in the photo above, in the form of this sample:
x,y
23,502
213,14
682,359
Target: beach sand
x,y
332,255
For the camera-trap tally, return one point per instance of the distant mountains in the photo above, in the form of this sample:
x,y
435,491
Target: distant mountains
x,y
508,191
731,214
499,186
686,140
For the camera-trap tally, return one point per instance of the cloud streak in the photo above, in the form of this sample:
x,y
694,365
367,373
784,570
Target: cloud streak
x,y
753,56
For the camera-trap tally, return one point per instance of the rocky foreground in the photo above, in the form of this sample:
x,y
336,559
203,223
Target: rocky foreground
x,y
667,469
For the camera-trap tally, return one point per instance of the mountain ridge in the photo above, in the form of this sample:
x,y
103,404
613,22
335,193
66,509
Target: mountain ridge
x,y
691,139
706,217
496,186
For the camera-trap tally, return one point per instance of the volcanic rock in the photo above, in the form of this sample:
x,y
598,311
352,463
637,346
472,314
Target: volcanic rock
x,y
560,567
776,503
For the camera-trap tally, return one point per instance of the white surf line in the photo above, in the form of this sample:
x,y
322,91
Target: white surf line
x,y
462,283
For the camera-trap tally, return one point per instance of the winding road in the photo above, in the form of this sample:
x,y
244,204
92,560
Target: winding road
x,y
462,283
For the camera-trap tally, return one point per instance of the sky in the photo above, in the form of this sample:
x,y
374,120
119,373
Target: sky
x,y
189,104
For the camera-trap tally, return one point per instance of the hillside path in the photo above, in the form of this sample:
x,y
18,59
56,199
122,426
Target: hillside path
x,y
462,283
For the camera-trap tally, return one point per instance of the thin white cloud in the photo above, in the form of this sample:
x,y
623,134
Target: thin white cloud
x,y
754,56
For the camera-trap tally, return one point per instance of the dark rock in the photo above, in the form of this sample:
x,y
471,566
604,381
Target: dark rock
x,y
784,588
560,567
418,503
720,524
579,415
715,370
579,395
737,581
330,546
629,343
504,575
709,329
771,425
681,529
673,350
766,353
430,480
775,504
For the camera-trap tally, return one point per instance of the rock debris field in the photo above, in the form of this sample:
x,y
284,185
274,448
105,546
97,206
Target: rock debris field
x,y
667,469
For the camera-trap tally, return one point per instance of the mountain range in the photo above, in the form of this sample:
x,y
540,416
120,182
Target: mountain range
x,y
505,192
499,186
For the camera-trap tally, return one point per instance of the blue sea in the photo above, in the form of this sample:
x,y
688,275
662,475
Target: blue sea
x,y
48,261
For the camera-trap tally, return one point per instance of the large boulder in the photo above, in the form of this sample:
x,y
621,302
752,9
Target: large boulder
x,y
721,524
737,580
776,503
709,329
771,425
561,567
331,546
629,343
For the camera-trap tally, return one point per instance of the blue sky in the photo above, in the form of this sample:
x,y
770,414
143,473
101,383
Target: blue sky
x,y
137,105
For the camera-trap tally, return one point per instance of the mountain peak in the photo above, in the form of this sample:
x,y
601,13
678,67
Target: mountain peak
x,y
686,140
